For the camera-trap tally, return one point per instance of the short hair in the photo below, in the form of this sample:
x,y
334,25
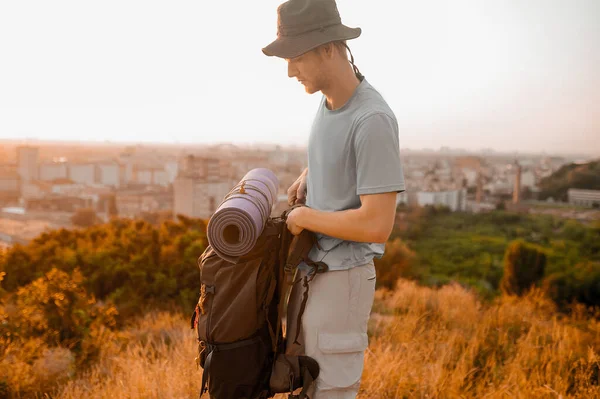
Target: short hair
x,y
344,50
338,45
342,47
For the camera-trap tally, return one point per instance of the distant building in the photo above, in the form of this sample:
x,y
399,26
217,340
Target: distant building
x,y
210,169
143,176
152,177
528,179
201,185
10,185
586,198
84,173
456,200
108,174
59,188
131,203
128,171
27,162
53,170
279,157
35,189
197,197
241,166
471,175
161,178
172,169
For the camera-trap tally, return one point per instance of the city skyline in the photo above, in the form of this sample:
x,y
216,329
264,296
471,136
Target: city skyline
x,y
514,77
192,146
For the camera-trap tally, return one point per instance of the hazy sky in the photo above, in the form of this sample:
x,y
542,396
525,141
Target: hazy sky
x,y
504,74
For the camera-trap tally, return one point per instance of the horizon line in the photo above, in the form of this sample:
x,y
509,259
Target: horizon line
x,y
440,149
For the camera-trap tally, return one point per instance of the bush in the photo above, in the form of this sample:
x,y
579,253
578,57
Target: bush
x,y
524,265
58,309
130,262
580,283
47,329
85,217
397,261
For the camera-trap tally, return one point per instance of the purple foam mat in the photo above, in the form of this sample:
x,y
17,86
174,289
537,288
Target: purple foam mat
x,y
239,220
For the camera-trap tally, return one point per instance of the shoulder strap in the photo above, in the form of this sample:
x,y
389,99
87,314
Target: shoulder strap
x,y
295,250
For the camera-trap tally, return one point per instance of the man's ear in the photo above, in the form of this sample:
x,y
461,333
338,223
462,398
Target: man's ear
x,y
328,50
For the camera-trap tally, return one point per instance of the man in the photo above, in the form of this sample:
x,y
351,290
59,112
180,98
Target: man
x,y
350,188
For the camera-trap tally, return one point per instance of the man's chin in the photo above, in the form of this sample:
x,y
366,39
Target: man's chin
x,y
310,89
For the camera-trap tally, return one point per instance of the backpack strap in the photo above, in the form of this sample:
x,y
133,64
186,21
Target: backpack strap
x,y
300,246
266,308
286,259
317,268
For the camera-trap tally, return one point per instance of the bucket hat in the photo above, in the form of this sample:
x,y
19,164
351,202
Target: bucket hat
x,y
303,25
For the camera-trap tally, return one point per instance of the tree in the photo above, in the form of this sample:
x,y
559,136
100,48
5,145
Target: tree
x,y
524,265
579,283
397,262
85,217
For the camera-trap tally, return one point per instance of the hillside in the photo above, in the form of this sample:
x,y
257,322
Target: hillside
x,y
78,308
424,343
582,176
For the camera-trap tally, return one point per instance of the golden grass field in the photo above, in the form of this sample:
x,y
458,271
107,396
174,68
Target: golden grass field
x,y
424,343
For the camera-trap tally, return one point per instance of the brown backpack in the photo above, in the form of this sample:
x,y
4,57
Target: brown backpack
x,y
241,346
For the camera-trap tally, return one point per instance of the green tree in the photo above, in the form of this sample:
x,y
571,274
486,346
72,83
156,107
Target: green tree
x,y
580,283
524,265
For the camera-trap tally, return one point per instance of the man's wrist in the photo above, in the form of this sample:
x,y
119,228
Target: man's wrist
x,y
302,217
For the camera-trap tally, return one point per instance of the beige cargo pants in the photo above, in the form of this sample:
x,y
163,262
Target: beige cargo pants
x,y
334,328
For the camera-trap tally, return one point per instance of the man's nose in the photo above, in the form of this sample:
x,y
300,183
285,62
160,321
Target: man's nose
x,y
291,70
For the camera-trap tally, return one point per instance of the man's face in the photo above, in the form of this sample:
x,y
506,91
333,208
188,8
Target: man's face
x,y
309,69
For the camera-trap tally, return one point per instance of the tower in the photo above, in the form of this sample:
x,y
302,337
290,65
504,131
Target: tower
x,y
27,163
517,187
479,192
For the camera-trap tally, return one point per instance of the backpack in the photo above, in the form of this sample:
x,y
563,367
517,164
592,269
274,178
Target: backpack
x,y
238,317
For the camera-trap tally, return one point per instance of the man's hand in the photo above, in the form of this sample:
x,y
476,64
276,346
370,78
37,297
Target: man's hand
x,y
297,191
372,222
294,219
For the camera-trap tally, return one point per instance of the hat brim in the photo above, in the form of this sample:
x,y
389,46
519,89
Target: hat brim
x,y
293,46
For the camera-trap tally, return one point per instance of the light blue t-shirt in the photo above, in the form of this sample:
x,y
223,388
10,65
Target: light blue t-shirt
x,y
353,150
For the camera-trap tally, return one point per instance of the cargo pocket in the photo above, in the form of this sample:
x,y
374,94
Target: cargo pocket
x,y
341,359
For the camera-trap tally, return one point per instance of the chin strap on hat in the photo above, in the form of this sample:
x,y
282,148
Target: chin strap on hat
x,y
356,71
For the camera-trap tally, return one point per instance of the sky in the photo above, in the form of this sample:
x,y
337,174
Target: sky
x,y
509,75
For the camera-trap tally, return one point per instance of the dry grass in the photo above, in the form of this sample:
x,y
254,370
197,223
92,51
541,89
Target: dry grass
x,y
424,344
154,359
444,344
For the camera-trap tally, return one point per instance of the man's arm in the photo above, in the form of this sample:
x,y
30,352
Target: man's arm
x,y
379,178
372,222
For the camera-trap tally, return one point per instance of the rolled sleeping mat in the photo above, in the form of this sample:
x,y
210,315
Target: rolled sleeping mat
x,y
239,220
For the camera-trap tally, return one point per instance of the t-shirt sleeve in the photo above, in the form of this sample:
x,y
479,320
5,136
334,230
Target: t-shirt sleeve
x,y
377,150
